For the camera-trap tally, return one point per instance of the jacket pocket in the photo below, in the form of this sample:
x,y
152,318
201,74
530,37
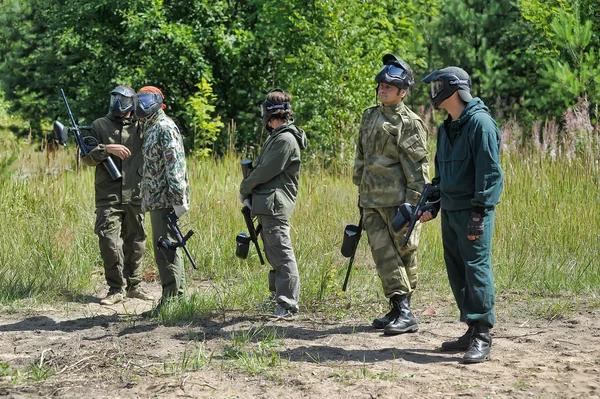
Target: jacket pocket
x,y
414,148
264,202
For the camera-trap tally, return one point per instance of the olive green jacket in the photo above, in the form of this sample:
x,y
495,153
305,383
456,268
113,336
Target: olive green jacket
x,y
112,130
391,165
273,181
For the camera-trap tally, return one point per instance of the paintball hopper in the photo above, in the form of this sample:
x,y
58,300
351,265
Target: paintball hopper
x,y
352,234
242,245
403,216
60,133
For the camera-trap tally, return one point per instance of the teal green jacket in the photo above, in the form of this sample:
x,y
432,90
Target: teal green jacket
x,y
273,182
467,162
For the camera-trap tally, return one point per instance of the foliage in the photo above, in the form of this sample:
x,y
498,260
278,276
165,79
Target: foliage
x,y
205,128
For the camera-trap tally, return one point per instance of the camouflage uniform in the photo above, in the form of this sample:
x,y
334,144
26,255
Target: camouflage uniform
x,y
118,212
273,185
164,185
391,167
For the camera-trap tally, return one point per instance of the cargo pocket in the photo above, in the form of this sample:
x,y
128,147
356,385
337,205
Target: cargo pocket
x,y
414,148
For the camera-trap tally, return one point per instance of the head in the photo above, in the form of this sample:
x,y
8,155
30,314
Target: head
x,y
276,108
148,101
394,80
445,82
121,101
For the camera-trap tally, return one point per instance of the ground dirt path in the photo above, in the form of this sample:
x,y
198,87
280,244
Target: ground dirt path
x,y
110,352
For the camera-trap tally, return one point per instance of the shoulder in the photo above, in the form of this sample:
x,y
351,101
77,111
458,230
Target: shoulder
x,y
370,110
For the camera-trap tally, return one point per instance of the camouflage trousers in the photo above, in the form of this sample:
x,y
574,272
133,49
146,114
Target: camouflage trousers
x,y
284,281
396,266
170,263
122,241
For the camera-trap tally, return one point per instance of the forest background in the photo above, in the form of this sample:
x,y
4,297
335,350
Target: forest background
x,y
535,63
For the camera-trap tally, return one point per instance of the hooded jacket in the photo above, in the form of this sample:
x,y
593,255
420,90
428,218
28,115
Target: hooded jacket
x,y
467,162
273,181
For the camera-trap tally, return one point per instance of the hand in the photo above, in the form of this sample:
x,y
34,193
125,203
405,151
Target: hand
x,y
118,150
180,210
241,197
475,226
428,212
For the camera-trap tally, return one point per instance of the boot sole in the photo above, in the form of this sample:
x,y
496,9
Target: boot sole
x,y
403,331
475,361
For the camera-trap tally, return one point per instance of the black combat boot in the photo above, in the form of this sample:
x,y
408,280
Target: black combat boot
x,y
479,348
459,345
404,322
381,322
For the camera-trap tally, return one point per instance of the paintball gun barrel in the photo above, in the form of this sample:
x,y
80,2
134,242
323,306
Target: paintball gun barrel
x,y
85,144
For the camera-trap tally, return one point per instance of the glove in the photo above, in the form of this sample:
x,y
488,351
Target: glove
x,y
180,210
475,225
432,208
241,197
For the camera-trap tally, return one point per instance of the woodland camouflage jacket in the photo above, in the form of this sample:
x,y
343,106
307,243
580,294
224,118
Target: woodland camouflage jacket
x,y
165,180
391,164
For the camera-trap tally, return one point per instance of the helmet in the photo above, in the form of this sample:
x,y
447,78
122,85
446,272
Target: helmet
x,y
121,100
275,105
148,100
445,82
395,72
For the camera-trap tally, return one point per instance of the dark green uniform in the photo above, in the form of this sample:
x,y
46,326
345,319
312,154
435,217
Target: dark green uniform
x,y
390,168
468,171
119,218
273,185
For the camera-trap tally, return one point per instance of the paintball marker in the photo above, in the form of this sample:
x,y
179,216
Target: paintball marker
x,y
167,247
352,234
409,215
85,144
243,240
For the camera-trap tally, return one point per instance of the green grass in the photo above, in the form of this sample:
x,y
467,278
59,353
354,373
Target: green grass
x,y
547,238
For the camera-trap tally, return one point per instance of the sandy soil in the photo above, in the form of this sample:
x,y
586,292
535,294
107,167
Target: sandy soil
x,y
110,352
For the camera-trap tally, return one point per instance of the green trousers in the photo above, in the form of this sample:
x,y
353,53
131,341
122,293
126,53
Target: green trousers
x,y
396,265
469,266
122,242
170,263
284,280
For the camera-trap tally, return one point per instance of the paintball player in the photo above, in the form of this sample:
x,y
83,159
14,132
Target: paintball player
x,y
391,167
468,172
272,186
119,217
165,186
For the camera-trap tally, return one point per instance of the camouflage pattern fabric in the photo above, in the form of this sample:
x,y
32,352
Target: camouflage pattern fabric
x,y
391,164
112,130
396,265
171,271
165,178
391,167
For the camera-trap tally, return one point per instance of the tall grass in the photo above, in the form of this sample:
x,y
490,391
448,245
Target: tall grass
x,y
547,236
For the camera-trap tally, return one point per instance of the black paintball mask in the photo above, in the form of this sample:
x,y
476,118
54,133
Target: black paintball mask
x,y
268,108
445,82
395,72
147,103
121,101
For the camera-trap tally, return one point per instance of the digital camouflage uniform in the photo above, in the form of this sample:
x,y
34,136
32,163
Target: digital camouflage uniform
x,y
273,185
470,177
164,185
119,218
391,167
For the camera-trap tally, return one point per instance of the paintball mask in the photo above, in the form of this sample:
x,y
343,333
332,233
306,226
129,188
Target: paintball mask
x,y
147,104
395,72
445,82
269,107
121,101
